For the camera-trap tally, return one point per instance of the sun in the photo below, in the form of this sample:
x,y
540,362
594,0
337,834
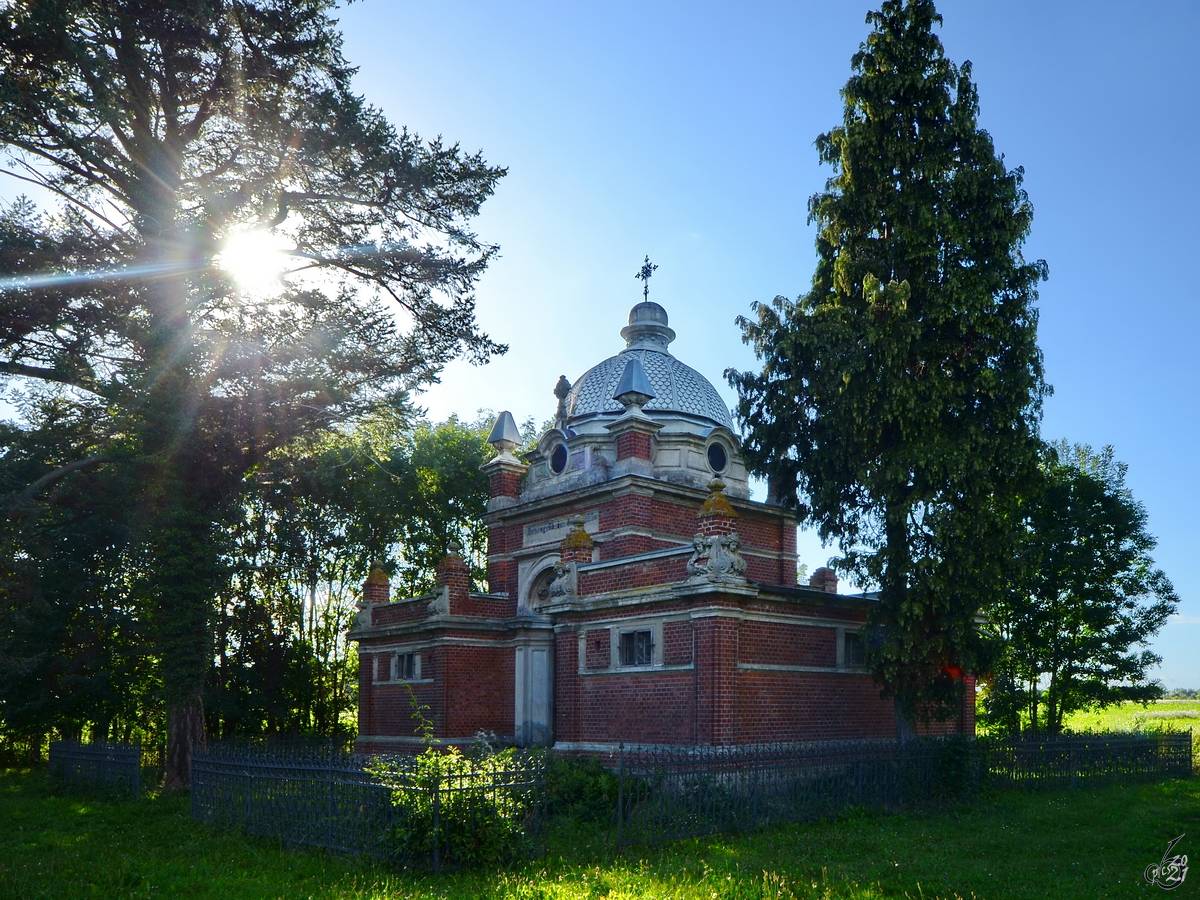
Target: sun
x,y
256,259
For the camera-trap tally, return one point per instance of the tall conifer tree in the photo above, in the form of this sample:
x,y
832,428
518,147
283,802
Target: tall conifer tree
x,y
166,128
899,399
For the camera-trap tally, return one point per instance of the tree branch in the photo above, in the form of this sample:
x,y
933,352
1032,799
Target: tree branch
x,y
32,490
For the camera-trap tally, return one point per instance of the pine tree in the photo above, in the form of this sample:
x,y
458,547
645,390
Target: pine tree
x,y
165,128
899,399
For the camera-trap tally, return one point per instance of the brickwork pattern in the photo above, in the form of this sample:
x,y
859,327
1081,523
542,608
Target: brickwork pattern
x,y
400,612
634,445
653,571
597,648
677,643
770,643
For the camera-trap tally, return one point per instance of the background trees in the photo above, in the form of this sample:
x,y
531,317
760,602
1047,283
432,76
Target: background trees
x,y
1085,596
75,655
898,402
172,132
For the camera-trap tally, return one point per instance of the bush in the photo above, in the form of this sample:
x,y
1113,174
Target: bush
x,y
475,811
578,787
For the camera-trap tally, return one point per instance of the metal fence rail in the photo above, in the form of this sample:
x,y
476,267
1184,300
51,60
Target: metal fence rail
x,y
668,792
96,767
395,808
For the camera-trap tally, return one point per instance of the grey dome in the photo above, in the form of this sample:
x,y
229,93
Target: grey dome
x,y
678,388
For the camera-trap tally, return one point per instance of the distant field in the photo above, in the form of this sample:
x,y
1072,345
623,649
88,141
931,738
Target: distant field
x,y
1175,714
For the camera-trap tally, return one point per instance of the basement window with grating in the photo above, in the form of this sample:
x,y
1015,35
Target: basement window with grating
x,y
855,650
406,667
637,648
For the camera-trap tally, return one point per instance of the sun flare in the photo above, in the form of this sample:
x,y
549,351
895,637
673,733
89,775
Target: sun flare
x,y
255,259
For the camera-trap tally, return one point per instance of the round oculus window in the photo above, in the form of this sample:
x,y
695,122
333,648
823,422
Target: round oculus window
x,y
718,459
558,459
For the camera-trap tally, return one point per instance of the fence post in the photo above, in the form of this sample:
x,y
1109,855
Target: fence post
x,y
330,811
437,785
756,774
620,790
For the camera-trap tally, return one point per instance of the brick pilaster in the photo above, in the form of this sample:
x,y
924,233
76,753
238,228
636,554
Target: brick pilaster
x,y
717,515
454,574
577,545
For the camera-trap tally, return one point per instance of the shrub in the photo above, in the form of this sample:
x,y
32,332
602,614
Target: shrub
x,y
578,787
475,811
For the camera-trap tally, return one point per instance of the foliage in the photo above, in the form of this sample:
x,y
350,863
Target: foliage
x,y
468,807
1087,597
76,654
898,401
579,787
317,516
166,130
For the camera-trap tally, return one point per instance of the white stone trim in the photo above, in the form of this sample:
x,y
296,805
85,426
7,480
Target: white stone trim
x,y
832,670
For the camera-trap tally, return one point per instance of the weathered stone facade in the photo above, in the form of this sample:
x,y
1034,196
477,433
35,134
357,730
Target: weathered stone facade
x,y
637,593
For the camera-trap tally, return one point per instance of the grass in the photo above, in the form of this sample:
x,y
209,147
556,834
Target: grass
x,y
1086,843
1179,714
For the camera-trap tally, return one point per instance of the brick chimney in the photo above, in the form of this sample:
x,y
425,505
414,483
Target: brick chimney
x,y
824,579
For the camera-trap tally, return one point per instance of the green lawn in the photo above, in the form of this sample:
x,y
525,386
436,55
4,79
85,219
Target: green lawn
x,y
1087,843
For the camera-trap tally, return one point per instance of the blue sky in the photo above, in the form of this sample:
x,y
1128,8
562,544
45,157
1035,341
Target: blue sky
x,y
686,131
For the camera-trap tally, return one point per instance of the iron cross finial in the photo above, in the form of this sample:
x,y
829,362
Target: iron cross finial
x,y
644,274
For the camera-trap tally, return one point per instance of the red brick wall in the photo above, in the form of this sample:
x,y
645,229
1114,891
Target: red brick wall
x,y
403,611
633,444
625,511
479,684
616,578
810,706
769,643
486,607
566,686
677,643
597,648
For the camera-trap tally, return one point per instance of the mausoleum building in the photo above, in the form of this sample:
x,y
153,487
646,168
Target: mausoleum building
x,y
637,593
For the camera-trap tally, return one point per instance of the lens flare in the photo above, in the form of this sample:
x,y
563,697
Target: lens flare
x,y
255,259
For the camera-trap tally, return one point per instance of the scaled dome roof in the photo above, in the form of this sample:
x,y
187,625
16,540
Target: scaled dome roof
x,y
678,388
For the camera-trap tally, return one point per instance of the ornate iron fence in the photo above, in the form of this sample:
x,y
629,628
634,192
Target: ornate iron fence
x,y
673,792
96,767
667,792
441,812
1069,760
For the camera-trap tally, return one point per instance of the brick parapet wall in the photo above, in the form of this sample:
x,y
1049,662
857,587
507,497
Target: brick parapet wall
x,y
665,570
623,545
487,607
401,612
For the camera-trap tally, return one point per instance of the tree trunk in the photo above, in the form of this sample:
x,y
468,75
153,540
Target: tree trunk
x,y
185,730
906,731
